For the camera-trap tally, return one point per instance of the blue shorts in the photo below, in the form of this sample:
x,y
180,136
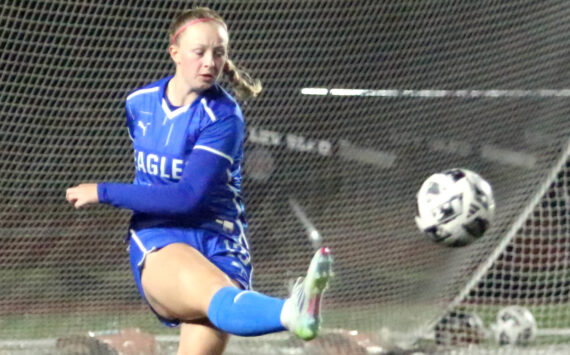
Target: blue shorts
x,y
229,256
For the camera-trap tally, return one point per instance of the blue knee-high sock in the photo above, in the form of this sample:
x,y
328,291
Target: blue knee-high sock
x,y
245,313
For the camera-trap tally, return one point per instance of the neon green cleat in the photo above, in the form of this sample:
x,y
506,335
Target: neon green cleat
x,y
301,312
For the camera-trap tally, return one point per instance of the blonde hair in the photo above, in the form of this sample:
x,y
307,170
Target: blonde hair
x,y
243,85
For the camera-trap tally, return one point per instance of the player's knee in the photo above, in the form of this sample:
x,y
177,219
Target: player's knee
x,y
201,338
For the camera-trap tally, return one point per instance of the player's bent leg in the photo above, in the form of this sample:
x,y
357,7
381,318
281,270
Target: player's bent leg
x,y
179,282
201,338
301,312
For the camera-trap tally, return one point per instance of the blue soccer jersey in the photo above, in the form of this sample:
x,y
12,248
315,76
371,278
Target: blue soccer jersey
x,y
187,162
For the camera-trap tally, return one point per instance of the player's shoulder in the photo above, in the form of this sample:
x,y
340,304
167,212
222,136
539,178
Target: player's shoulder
x,y
149,91
220,105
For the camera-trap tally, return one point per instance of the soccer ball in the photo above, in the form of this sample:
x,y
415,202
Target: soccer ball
x,y
515,326
455,207
460,328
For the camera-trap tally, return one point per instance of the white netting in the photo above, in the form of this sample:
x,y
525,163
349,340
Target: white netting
x,y
529,268
481,85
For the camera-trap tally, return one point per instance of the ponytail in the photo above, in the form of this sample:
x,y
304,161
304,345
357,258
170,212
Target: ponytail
x,y
244,86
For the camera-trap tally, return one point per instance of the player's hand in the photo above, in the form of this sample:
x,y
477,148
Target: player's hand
x,y
82,195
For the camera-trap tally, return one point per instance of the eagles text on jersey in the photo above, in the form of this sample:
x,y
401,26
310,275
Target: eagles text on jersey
x,y
164,137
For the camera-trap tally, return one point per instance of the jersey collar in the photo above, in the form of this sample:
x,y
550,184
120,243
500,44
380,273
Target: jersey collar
x,y
170,113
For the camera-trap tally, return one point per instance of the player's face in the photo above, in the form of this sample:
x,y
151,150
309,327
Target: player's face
x,y
201,54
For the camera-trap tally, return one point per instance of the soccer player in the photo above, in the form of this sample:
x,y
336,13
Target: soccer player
x,y
188,248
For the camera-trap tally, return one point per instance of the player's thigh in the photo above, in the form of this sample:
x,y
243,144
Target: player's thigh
x,y
179,282
201,338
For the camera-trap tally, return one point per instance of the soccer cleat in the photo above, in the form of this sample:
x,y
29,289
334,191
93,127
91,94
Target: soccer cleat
x,y
301,312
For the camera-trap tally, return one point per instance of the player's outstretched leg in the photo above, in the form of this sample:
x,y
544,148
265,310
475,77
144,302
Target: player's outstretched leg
x,y
301,312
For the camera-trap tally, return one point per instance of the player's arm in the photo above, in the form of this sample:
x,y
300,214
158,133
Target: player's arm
x,y
207,164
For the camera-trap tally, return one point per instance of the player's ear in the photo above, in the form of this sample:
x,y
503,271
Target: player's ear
x,y
174,51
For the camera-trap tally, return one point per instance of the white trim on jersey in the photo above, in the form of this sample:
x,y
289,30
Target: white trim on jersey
x,y
141,246
130,135
142,91
208,110
171,114
212,150
132,117
169,133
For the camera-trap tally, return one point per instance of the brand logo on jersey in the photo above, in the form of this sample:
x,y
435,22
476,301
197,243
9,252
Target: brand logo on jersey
x,y
157,165
143,126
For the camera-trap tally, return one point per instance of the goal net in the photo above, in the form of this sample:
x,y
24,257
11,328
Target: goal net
x,y
362,101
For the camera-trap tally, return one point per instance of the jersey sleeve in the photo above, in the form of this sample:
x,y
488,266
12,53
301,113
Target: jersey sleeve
x,y
223,137
204,167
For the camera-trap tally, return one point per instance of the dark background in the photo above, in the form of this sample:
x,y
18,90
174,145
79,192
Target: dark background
x,y
67,67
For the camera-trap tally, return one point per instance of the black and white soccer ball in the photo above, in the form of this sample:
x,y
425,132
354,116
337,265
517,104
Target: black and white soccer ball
x,y
455,207
460,328
515,326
